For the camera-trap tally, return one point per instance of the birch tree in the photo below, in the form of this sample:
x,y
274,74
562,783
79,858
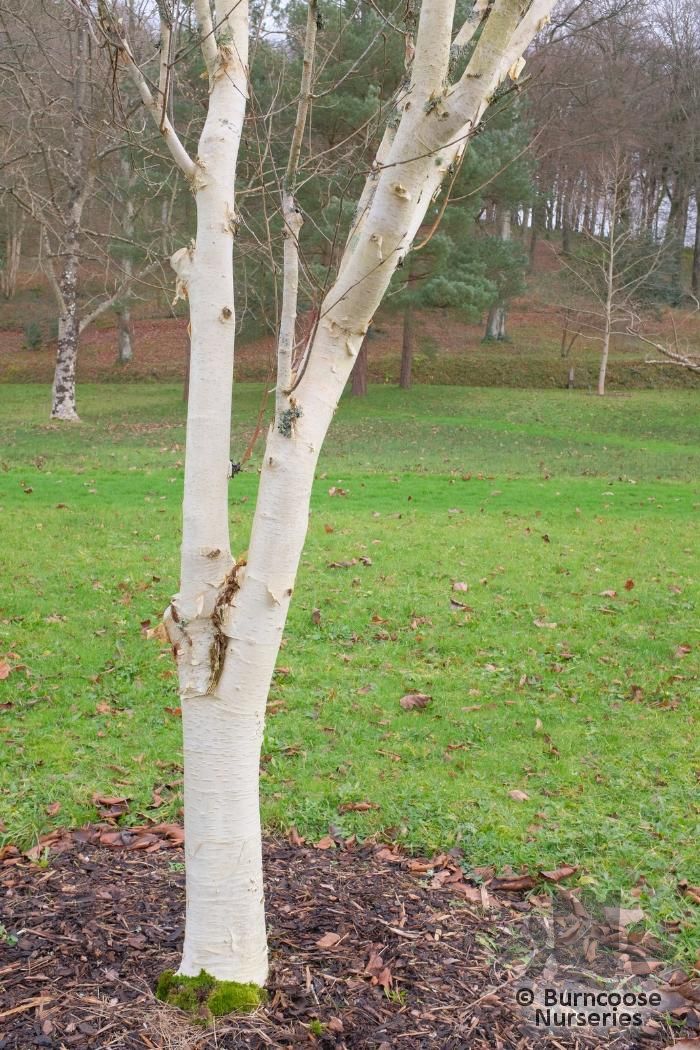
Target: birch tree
x,y
57,170
226,621
612,269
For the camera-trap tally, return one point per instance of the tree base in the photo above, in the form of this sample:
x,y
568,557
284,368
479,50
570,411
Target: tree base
x,y
204,998
496,339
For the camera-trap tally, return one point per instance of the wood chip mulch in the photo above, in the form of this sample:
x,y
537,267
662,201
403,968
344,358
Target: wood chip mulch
x,y
369,949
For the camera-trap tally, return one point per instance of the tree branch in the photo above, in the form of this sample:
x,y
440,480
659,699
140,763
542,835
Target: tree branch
x,y
293,221
111,30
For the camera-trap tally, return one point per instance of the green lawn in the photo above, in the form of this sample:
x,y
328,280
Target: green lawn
x,y
541,502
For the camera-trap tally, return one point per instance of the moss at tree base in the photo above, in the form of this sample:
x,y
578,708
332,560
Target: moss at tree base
x,y
204,997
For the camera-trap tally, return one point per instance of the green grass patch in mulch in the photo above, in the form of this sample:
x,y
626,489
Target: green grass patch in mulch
x,y
563,675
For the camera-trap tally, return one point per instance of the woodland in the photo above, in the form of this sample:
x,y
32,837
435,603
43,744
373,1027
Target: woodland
x,y
349,458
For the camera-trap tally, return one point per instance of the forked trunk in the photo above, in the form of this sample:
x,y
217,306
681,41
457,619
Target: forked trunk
x,y
227,621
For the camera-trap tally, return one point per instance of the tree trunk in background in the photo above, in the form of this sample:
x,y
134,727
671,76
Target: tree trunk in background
x,y
63,404
13,256
537,224
602,374
496,323
125,344
695,274
63,396
674,237
359,372
407,346
567,208
125,348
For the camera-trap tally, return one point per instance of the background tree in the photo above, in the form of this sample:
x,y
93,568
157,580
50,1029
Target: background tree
x,y
615,268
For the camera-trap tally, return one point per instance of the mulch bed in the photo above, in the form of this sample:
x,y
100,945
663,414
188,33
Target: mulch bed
x,y
383,950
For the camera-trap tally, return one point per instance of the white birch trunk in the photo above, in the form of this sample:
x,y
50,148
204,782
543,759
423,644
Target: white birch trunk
x,y
13,256
63,403
227,621
125,348
225,925
609,294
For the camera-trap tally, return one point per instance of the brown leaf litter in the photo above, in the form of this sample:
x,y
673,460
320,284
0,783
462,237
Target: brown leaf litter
x,y
370,948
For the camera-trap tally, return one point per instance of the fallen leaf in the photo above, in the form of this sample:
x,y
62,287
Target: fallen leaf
x,y
329,940
413,701
608,594
544,623
316,616
390,856
357,807
460,605
420,865
295,838
376,969
111,805
684,1044
325,843
519,796
158,633
53,808
334,1024
334,491
681,650
328,528
4,670
513,883
559,873
470,893
629,584
691,892
457,586
176,712
108,800
342,564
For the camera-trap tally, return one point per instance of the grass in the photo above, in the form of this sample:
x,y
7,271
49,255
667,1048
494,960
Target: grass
x,y
540,501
